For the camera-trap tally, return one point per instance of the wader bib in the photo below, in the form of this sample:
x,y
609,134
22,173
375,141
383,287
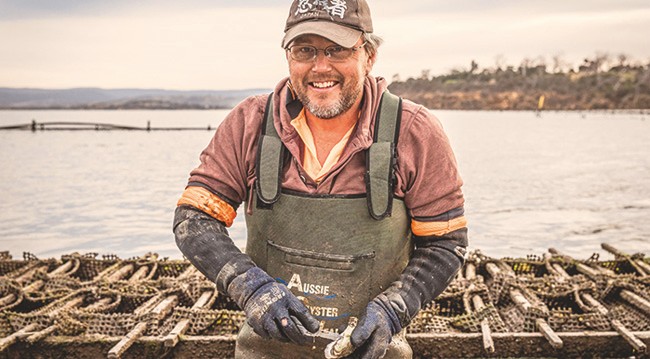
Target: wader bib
x,y
335,253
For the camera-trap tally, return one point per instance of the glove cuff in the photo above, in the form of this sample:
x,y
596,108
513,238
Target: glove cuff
x,y
239,264
393,317
246,284
399,307
430,270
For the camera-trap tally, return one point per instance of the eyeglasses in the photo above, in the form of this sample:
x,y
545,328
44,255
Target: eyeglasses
x,y
334,53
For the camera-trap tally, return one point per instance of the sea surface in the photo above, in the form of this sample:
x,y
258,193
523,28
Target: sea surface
x,y
569,180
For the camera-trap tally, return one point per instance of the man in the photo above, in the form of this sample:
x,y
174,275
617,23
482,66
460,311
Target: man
x,y
353,199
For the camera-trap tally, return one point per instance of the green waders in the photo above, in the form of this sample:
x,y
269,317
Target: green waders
x,y
335,253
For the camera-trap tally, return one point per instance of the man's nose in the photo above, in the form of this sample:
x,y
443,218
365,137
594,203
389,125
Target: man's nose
x,y
321,62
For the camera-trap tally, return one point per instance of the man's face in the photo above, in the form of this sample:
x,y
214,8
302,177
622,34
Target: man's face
x,y
328,89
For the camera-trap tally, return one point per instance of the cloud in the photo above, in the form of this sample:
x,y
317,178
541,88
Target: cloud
x,y
184,49
451,40
25,9
28,9
488,7
224,44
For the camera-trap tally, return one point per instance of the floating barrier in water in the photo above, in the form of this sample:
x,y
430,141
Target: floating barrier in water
x,y
85,126
553,305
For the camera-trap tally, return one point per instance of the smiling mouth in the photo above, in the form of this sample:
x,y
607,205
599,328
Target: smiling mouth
x,y
323,84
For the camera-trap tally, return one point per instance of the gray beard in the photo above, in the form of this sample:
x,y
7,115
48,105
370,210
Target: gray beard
x,y
343,104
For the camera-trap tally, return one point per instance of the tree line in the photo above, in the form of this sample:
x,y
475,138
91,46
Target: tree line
x,y
601,82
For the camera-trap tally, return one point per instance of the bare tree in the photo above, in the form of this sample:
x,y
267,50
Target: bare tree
x,y
540,64
601,59
558,63
473,67
524,66
500,62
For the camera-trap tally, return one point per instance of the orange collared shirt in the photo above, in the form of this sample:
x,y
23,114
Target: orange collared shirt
x,y
310,158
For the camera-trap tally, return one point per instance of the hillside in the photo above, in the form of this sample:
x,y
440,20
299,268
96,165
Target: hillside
x,y
115,99
593,86
597,84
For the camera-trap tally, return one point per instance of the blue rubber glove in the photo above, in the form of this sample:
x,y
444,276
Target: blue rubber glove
x,y
433,265
271,308
376,328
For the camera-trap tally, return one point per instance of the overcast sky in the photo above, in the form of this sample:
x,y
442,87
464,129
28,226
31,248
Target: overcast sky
x,y
235,44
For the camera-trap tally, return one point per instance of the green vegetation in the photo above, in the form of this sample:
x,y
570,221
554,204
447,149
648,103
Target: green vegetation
x,y
598,83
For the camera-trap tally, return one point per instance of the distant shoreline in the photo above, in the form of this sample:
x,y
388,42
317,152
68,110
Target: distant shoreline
x,y
531,87
121,99
641,111
60,108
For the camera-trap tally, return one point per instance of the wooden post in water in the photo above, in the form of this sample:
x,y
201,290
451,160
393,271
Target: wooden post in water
x,y
139,274
28,273
6,342
107,270
120,273
642,268
524,305
73,303
625,333
181,327
65,267
7,299
100,303
38,284
636,300
486,332
160,311
28,331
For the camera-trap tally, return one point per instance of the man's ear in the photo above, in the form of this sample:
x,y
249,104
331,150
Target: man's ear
x,y
370,62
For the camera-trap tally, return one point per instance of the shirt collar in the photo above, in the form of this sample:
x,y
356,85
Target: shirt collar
x,y
287,107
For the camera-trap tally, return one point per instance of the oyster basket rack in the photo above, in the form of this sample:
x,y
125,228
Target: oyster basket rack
x,y
551,305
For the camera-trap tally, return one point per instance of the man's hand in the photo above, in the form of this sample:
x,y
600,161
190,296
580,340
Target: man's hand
x,y
376,329
271,308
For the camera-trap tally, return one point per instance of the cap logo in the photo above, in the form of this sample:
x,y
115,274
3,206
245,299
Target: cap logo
x,y
313,7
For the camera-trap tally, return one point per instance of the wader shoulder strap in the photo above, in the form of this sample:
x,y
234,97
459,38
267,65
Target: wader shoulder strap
x,y
381,157
269,159
380,161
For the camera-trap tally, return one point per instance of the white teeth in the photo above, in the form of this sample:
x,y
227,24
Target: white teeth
x,y
322,85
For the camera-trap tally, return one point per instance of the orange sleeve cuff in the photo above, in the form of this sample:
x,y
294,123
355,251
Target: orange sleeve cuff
x,y
437,228
204,200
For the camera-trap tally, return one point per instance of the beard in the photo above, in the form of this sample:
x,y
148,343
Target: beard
x,y
350,92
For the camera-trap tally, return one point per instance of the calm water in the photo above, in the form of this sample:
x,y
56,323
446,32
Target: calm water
x,y
567,180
